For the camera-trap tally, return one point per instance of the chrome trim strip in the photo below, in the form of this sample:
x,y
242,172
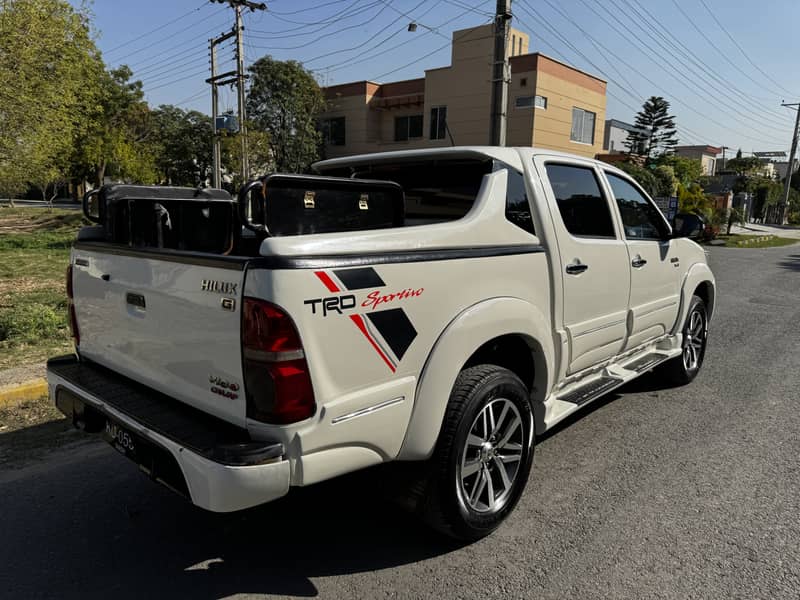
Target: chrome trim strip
x,y
367,411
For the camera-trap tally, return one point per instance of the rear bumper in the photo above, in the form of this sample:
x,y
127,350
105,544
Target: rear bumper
x,y
213,463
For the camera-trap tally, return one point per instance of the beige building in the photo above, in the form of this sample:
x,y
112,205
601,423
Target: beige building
x,y
707,155
550,104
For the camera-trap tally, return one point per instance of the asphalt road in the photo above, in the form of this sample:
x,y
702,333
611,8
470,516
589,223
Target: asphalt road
x,y
682,493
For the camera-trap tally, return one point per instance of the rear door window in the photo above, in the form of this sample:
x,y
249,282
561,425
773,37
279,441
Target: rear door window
x,y
583,208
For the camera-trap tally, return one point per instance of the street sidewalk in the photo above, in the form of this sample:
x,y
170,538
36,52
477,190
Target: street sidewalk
x,y
22,383
784,231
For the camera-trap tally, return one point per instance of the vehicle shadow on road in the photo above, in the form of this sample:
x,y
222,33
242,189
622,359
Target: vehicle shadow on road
x,y
95,527
791,262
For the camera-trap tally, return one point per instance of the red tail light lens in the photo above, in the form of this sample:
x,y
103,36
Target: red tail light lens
x,y
277,382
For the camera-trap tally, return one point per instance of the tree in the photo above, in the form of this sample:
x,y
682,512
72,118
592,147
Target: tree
x,y
655,132
744,167
115,135
686,170
643,176
259,155
182,143
285,101
47,64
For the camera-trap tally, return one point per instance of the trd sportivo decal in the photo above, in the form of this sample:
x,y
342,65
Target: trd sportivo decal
x,y
390,331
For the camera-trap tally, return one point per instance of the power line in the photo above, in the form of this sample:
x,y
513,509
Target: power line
x,y
679,74
152,31
744,102
421,58
354,60
325,22
543,22
368,40
713,45
326,35
302,10
759,69
664,32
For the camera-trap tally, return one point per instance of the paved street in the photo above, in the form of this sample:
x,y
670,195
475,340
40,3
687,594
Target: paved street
x,y
689,492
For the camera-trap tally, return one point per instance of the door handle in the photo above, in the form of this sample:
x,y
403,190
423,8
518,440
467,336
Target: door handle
x,y
136,300
638,261
576,267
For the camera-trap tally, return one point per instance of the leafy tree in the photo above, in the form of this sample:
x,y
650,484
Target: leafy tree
x,y
749,165
285,101
115,136
686,170
667,182
643,176
182,145
692,200
47,62
655,132
259,155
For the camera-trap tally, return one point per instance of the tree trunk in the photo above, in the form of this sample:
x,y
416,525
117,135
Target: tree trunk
x,y
99,174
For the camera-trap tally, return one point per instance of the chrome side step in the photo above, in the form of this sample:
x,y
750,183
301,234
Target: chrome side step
x,y
590,391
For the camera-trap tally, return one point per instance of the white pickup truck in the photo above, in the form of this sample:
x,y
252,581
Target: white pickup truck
x,y
441,306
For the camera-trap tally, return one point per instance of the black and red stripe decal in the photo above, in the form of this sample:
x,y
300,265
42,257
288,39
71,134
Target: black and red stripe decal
x,y
393,325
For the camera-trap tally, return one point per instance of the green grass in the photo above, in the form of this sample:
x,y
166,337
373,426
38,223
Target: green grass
x,y
34,254
737,240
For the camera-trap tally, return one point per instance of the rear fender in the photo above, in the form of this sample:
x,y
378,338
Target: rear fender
x,y
461,338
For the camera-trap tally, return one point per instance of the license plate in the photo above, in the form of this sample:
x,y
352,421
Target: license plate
x,y
119,437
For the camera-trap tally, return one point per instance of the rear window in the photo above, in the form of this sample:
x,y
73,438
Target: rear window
x,y
435,191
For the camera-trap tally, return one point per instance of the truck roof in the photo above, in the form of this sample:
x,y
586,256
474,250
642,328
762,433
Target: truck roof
x,y
510,155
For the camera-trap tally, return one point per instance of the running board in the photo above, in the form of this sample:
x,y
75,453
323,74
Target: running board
x,y
647,362
592,390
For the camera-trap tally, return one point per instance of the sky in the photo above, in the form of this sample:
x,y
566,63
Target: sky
x,y
724,65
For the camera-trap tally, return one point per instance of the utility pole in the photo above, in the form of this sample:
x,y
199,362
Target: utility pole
x,y
217,80
723,156
238,77
500,73
787,186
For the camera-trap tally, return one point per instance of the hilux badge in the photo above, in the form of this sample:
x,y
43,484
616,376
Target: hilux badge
x,y
221,287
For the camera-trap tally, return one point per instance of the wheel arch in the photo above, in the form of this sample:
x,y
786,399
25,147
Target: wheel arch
x,y
493,332
698,280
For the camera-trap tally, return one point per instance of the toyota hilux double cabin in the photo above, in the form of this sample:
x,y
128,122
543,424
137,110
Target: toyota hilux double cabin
x,y
441,306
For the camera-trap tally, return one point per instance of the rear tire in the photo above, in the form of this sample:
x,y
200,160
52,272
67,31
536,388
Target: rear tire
x,y
483,456
684,368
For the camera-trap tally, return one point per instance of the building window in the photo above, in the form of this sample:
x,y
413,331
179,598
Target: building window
x,y
438,122
520,46
407,127
523,82
530,101
513,44
582,126
333,131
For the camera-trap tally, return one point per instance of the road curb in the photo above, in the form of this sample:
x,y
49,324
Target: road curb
x,y
30,390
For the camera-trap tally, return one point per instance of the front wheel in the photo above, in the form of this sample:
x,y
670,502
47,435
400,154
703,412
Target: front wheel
x,y
684,368
484,453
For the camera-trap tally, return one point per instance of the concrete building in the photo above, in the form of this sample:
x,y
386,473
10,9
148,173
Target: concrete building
x,y
707,155
616,135
550,104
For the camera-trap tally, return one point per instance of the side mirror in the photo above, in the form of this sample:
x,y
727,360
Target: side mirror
x,y
91,205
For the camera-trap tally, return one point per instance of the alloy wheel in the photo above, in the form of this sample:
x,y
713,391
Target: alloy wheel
x,y
491,456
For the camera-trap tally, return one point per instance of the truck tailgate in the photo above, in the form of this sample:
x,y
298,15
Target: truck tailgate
x,y
165,322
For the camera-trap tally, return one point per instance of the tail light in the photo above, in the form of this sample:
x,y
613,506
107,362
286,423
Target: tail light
x,y
73,318
277,381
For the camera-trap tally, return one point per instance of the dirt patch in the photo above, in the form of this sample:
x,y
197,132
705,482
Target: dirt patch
x,y
22,373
